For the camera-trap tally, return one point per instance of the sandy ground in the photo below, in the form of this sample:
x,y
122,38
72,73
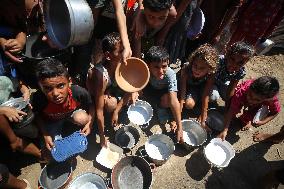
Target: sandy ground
x,y
189,169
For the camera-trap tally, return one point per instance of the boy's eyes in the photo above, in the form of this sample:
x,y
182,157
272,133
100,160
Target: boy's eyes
x,y
60,86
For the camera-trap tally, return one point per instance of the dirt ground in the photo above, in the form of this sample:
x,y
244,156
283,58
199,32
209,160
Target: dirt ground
x,y
189,169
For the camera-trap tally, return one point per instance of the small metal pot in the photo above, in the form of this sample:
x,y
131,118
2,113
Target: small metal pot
x,y
20,104
55,175
193,134
215,120
88,180
140,113
68,22
159,148
127,137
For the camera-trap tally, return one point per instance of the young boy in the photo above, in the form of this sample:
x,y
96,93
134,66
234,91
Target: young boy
x,y
102,86
154,18
230,70
252,95
109,17
58,102
163,84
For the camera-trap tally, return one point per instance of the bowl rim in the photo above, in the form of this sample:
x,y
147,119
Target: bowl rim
x,y
117,73
193,120
145,102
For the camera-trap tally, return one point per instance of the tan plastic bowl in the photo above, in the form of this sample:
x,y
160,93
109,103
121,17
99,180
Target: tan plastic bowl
x,y
132,77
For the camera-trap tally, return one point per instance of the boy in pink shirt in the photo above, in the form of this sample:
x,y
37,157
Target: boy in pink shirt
x,y
253,95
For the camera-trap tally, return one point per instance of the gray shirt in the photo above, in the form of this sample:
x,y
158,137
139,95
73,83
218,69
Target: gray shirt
x,y
168,82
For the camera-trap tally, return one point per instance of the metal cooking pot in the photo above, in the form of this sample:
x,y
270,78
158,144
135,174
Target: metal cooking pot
x,y
193,134
140,113
88,181
127,137
68,22
215,120
20,104
159,148
55,175
132,172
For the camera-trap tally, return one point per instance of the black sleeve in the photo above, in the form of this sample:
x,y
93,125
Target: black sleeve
x,y
38,101
82,95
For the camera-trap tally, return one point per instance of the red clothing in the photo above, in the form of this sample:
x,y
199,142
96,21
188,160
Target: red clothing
x,y
239,100
257,19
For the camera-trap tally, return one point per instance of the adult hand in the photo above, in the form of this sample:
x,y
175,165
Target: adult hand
x,y
48,142
179,134
13,46
12,114
12,57
134,97
103,141
127,53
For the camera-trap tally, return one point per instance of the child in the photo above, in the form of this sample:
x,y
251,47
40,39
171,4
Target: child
x,y
58,102
230,70
163,84
109,17
252,95
102,86
10,115
197,79
153,18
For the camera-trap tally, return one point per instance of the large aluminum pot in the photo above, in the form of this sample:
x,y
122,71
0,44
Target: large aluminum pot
x,y
88,180
55,175
20,104
68,22
159,148
193,134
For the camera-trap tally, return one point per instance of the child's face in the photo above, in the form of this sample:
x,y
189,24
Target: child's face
x,y
156,19
254,99
116,54
55,89
236,61
158,69
199,68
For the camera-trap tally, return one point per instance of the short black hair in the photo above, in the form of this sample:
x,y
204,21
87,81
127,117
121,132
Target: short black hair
x,y
265,86
49,68
156,54
157,5
241,48
109,41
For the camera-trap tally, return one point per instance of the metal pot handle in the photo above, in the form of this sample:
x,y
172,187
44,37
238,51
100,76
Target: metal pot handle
x,y
108,182
142,153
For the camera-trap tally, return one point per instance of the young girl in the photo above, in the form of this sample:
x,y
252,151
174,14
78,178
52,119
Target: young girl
x,y
230,70
197,79
252,95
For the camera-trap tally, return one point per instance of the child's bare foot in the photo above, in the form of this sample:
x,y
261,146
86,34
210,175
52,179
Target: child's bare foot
x,y
247,127
257,137
17,144
173,125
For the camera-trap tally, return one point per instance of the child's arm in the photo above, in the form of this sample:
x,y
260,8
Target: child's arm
x,y
265,120
24,90
227,121
182,87
138,25
175,108
47,138
205,100
121,23
173,17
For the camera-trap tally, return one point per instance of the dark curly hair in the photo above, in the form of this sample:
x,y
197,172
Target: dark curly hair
x,y
265,86
50,68
156,54
157,5
241,48
109,41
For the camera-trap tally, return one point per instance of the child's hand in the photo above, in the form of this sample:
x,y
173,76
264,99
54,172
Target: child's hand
x,y
12,114
223,134
13,46
179,134
114,119
103,141
87,129
48,142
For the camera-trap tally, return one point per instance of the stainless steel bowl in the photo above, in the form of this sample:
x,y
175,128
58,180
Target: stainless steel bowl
x,y
140,113
159,148
68,22
20,104
127,137
194,135
88,180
